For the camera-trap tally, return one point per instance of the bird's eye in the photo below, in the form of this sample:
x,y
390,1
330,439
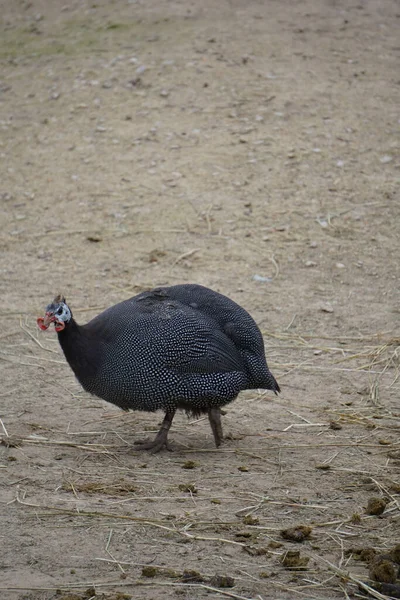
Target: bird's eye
x,y
59,311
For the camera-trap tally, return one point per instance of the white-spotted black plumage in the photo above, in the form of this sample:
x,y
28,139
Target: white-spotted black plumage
x,y
184,346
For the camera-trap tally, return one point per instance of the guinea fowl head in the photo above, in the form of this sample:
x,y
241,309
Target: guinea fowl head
x,y
58,313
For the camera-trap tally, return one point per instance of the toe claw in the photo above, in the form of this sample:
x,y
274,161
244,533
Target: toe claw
x,y
153,446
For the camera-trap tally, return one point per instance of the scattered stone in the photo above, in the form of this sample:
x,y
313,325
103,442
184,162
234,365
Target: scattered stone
x,y
155,255
386,159
262,279
297,534
6,196
310,263
326,307
375,506
55,95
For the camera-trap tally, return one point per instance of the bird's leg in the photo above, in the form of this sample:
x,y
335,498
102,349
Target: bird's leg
x,y
161,439
214,416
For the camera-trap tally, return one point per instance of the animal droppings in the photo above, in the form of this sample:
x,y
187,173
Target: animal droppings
x,y
383,569
375,506
222,581
293,560
297,534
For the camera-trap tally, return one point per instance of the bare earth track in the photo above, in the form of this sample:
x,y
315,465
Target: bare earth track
x,y
248,146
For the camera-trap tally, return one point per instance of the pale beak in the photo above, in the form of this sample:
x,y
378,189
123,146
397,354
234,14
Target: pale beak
x,y
44,322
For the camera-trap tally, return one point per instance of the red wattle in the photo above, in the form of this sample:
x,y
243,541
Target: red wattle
x,y
41,325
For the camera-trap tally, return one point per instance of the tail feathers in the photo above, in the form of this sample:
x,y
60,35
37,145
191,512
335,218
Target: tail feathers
x,y
274,385
268,382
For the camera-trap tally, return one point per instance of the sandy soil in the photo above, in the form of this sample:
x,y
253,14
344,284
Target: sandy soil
x,y
248,146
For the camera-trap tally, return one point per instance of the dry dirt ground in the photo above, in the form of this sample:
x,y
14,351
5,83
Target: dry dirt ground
x,y
248,146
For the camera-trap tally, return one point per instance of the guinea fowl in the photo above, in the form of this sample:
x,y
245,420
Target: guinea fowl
x,y
180,347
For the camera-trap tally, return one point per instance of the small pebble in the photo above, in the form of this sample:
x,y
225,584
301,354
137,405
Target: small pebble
x,y
261,278
326,307
386,159
323,222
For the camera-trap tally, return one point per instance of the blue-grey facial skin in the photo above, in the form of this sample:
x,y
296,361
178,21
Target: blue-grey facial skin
x,y
60,311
